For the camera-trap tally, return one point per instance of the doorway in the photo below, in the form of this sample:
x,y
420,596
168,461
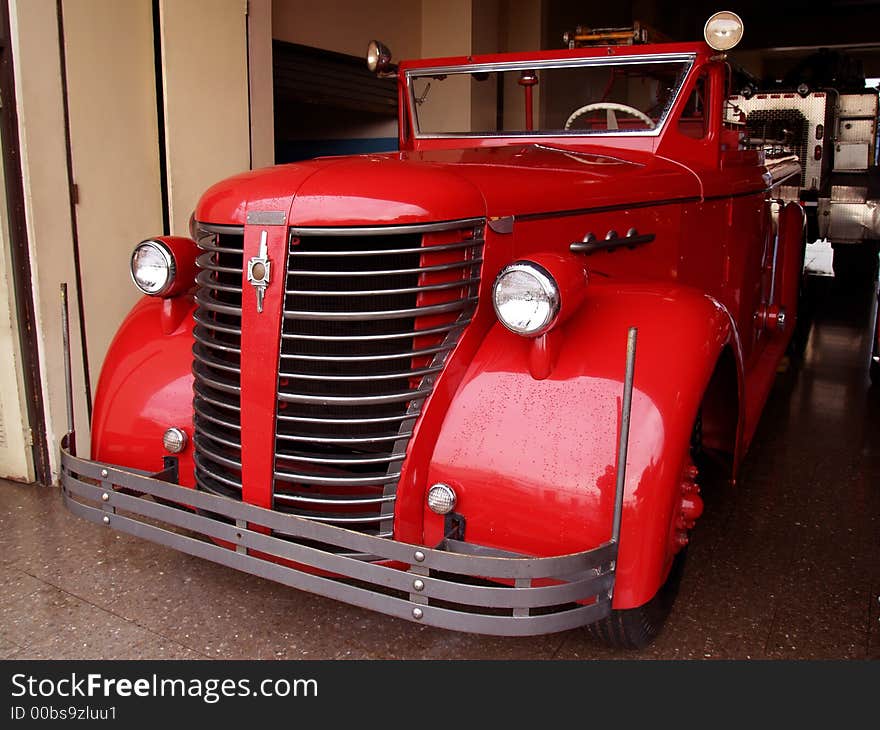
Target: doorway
x,y
328,103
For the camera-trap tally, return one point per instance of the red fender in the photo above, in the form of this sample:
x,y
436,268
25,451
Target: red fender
x,y
533,460
146,387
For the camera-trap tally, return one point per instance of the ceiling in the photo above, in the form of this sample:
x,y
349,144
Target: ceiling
x,y
779,31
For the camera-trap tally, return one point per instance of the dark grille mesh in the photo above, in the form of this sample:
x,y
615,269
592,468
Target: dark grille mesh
x,y
354,368
369,320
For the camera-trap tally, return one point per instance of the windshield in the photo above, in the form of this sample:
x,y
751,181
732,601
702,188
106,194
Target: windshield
x,y
586,97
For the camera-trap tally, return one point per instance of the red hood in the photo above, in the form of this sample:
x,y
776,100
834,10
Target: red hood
x,y
414,187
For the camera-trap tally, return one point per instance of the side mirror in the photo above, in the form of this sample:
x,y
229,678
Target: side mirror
x,y
379,59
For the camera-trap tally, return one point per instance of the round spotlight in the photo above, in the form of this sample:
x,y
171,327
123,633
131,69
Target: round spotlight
x,y
378,57
441,499
526,298
152,268
174,440
723,30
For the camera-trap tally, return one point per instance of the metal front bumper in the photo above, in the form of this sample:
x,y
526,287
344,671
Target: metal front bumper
x,y
447,586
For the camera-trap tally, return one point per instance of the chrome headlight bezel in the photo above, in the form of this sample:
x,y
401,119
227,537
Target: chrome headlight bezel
x,y
546,290
166,257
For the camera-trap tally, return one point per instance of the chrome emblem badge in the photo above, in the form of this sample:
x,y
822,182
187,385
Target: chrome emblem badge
x,y
258,271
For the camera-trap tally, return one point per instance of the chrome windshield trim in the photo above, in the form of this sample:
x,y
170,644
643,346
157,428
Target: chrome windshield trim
x,y
410,74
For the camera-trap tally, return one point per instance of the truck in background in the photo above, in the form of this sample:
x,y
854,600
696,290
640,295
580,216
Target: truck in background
x,y
822,112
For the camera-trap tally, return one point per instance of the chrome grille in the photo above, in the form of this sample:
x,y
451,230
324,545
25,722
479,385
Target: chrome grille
x,y
370,316
217,361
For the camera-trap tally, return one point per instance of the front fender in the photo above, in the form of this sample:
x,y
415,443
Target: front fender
x,y
146,387
533,460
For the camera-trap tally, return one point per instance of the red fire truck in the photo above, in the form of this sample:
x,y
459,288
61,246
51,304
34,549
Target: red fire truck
x,y
469,383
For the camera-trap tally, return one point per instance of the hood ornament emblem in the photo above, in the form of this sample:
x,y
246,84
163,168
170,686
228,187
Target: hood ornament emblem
x,y
258,271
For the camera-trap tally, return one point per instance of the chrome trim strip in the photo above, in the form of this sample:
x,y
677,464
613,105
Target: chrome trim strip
x,y
459,324
203,299
202,339
330,518
358,400
208,398
382,292
410,74
203,261
357,461
223,442
216,384
344,421
579,577
218,458
363,378
389,230
212,325
407,355
204,278
222,478
454,306
211,362
266,217
311,439
201,413
438,248
220,228
296,477
341,502
387,272
615,60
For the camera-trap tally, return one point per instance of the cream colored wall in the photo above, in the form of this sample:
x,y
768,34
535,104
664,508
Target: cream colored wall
x,y
16,461
447,31
34,31
115,151
260,79
346,26
204,53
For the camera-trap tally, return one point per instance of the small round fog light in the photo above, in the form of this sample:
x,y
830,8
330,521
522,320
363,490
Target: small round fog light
x,y
441,499
174,440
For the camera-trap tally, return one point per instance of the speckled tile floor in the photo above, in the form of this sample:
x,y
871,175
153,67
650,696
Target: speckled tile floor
x,y
784,565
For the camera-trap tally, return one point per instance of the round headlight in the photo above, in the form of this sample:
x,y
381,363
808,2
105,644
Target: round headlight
x,y
723,30
152,268
526,298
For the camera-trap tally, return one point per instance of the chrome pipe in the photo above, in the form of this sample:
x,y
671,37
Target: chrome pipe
x,y
626,409
68,376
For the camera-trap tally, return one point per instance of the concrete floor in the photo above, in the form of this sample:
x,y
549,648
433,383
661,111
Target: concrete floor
x,y
784,565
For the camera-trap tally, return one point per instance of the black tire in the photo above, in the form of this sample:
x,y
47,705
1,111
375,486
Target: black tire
x,y
636,628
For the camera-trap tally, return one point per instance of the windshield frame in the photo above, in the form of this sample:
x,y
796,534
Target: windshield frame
x,y
688,58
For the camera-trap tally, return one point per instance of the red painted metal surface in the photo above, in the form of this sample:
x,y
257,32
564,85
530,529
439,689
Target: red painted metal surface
x,y
525,430
533,461
146,387
260,340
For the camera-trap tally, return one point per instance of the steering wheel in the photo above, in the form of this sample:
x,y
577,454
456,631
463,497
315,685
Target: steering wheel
x,y
610,108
